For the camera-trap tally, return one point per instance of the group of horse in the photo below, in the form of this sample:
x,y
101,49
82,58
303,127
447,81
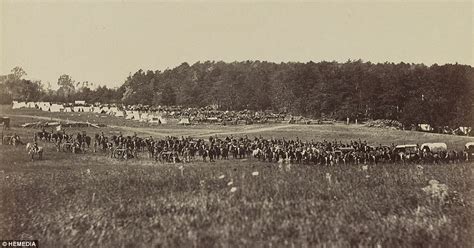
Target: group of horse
x,y
188,149
174,149
78,143
32,148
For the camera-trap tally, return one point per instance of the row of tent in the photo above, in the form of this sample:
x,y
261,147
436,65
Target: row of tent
x,y
55,107
109,110
51,107
149,118
182,117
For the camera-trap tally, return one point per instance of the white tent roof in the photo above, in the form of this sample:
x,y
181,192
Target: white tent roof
x,y
56,107
67,109
136,115
154,119
163,120
184,121
17,105
158,119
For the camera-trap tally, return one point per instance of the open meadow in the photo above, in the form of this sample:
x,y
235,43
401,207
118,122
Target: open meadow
x,y
85,200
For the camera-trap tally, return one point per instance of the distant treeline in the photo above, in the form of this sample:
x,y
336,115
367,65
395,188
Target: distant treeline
x,y
440,95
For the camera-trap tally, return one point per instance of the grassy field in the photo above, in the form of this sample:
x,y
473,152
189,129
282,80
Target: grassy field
x,y
90,200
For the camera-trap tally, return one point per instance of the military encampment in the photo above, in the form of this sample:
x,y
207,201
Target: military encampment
x,y
238,124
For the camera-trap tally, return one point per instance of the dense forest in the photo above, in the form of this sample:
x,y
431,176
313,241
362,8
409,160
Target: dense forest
x,y
440,95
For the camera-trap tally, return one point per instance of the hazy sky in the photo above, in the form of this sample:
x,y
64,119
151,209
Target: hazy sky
x,y
102,42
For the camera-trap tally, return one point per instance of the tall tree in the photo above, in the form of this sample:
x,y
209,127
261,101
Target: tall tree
x,y
66,87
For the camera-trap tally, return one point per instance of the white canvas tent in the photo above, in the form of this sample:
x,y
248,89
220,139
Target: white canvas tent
x,y
184,121
136,115
144,117
43,105
78,109
68,109
112,110
425,127
87,108
465,130
56,107
162,120
96,110
17,105
119,114
154,120
157,120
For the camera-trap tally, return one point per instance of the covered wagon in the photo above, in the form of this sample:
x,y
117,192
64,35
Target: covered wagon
x,y
434,147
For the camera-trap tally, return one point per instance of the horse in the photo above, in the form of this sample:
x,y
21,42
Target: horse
x,y
66,146
257,153
43,135
30,148
186,155
408,157
224,153
87,140
77,147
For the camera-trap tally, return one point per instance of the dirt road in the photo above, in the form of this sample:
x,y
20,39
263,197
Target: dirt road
x,y
246,131
200,132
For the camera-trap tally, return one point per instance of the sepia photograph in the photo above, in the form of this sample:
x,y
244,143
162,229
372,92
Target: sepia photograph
x,y
236,123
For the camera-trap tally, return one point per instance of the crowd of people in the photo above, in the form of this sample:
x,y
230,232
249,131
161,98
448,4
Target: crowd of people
x,y
297,151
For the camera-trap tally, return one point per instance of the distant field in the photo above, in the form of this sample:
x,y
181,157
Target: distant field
x,y
85,200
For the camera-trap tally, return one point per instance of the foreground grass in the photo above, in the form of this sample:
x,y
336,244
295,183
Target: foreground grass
x,y
87,200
